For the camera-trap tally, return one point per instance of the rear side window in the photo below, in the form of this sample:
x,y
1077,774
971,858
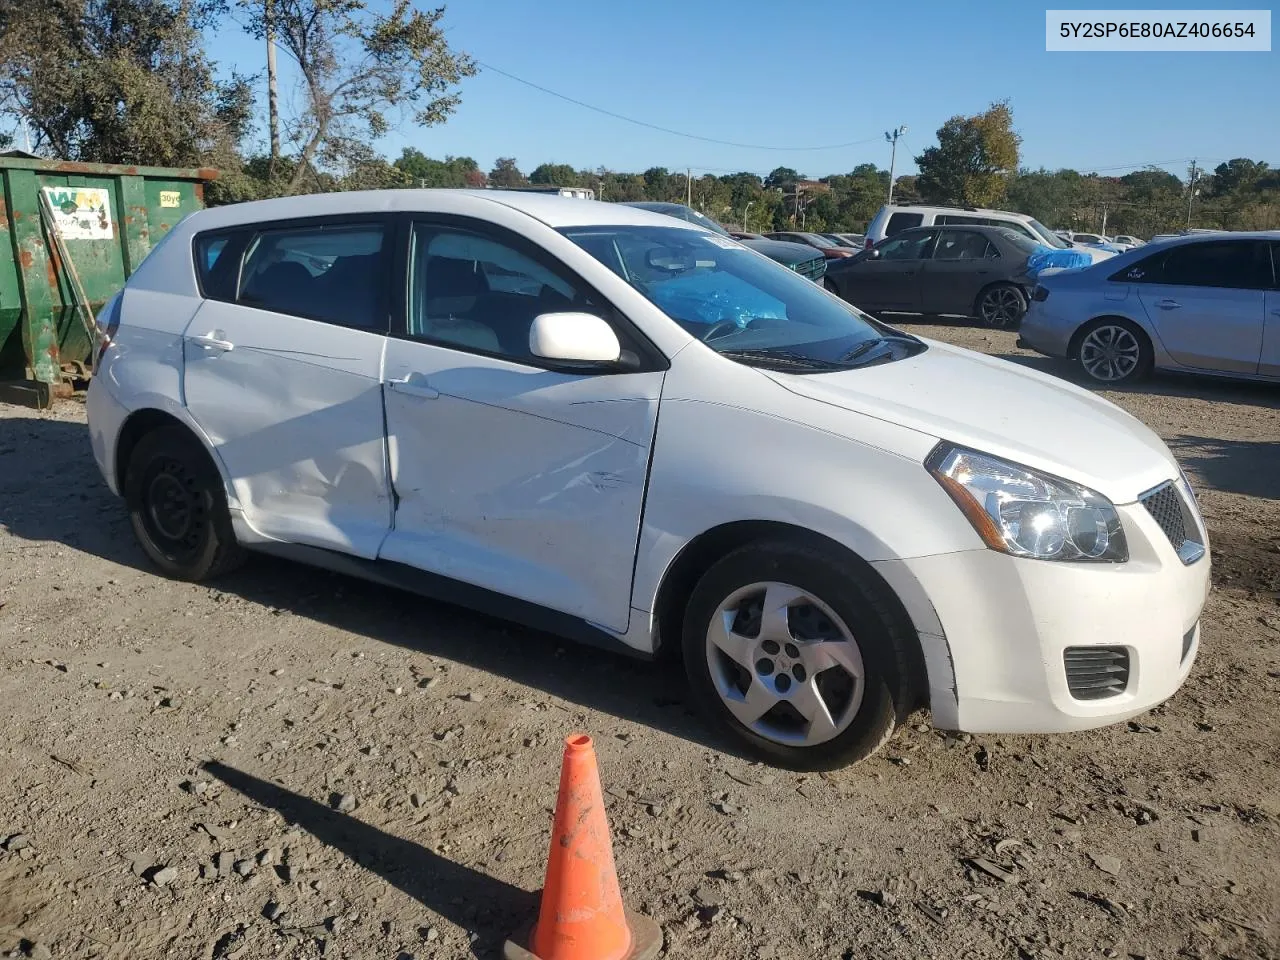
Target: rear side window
x,y
903,221
217,262
1232,264
333,273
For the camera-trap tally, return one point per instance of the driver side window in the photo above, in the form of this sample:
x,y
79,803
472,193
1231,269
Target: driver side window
x,y
474,292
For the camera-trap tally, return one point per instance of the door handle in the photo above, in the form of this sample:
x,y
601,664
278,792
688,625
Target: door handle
x,y
212,341
1167,304
412,386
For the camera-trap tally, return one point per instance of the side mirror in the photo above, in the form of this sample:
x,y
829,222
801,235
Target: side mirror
x,y
573,337
873,254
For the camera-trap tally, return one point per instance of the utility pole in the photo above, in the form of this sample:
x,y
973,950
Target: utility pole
x,y
892,138
688,187
746,214
1191,192
273,106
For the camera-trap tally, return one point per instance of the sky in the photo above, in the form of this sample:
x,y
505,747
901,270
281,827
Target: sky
x,y
832,76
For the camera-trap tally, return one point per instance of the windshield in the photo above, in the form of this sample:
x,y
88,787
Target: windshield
x,y
1048,236
740,303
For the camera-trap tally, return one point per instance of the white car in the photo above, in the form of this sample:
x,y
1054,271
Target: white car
x,y
640,434
892,218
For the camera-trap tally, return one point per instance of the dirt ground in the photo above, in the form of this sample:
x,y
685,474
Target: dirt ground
x,y
171,757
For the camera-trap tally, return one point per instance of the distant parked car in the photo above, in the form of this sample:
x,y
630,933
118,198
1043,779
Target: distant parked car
x,y
830,250
893,218
1128,241
1201,304
795,256
969,271
1095,240
840,241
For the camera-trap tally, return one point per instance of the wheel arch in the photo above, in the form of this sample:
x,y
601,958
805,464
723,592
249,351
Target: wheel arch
x,y
146,420
704,550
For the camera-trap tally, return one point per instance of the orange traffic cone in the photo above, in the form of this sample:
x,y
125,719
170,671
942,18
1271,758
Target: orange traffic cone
x,y
581,916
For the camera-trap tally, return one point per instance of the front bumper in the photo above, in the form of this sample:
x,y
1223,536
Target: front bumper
x,y
1008,622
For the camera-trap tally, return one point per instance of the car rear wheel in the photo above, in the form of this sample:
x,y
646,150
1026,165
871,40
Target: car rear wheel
x,y
177,507
1114,352
793,651
1001,306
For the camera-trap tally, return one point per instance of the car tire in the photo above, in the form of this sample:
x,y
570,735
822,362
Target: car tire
x,y
1113,351
178,508
844,647
830,286
1001,306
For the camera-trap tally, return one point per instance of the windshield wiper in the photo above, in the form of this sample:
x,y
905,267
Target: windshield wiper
x,y
867,346
784,358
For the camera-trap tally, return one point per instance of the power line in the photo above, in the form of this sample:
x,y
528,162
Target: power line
x,y
654,126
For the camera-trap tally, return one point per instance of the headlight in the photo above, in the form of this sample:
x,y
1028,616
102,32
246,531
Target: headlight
x,y
1025,513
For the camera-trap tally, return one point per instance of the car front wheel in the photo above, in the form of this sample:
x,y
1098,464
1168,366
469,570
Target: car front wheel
x,y
792,650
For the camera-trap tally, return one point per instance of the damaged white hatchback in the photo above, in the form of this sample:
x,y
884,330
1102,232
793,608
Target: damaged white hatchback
x,y
622,428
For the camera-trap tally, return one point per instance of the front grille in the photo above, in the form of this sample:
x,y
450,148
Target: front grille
x,y
813,269
1095,673
1168,508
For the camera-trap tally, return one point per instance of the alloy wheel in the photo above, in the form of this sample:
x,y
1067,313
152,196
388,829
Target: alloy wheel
x,y
1001,307
1110,353
786,666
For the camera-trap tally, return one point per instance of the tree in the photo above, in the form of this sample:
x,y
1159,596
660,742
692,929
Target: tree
x,y
781,177
1238,174
554,174
973,160
422,171
358,66
119,81
505,173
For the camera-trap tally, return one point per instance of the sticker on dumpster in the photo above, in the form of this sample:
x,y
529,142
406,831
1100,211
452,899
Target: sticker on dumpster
x,y
81,213
170,198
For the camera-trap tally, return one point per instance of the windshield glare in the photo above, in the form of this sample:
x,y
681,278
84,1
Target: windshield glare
x,y
728,296
1049,237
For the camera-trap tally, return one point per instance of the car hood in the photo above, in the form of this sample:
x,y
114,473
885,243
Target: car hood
x,y
1005,409
784,251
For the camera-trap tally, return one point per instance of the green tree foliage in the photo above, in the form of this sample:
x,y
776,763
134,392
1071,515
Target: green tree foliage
x,y
781,177
973,161
422,171
118,81
360,66
505,173
555,175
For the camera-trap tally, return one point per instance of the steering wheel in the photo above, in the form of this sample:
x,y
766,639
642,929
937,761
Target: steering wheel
x,y
727,326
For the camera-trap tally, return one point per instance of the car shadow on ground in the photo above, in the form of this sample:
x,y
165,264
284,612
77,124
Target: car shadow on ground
x,y
458,894
1215,389
51,492
1247,467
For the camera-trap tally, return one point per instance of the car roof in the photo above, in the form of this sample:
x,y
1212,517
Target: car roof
x,y
1170,240
551,209
979,227
936,208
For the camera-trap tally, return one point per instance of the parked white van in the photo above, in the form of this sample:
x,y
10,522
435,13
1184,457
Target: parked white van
x,y
893,218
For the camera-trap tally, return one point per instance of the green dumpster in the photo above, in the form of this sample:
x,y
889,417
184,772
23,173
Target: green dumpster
x,y
106,218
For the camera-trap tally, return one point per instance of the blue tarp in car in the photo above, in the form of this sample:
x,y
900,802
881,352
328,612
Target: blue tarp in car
x,y
1045,258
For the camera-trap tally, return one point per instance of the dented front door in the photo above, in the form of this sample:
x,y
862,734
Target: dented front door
x,y
521,480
